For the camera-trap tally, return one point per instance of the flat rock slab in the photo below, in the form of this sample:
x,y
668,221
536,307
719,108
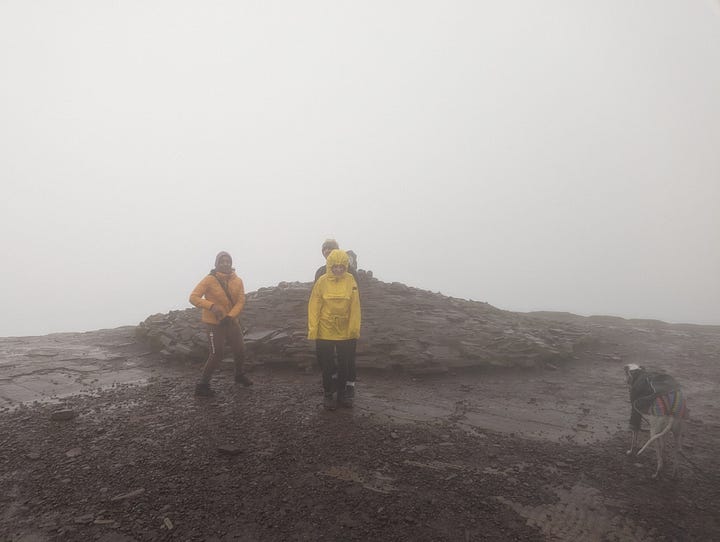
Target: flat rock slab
x,y
51,367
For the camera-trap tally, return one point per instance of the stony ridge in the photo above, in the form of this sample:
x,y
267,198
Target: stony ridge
x,y
403,328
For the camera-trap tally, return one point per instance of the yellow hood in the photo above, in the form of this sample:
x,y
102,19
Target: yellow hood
x,y
337,257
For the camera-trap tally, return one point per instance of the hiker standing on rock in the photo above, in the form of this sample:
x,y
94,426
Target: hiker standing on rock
x,y
221,296
334,325
327,247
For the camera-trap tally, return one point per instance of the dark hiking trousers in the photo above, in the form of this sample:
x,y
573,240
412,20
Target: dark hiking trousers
x,y
326,351
352,373
351,363
227,331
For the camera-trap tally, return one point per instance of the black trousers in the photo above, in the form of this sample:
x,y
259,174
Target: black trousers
x,y
227,331
351,364
340,368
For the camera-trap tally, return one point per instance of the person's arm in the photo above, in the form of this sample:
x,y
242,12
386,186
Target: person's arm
x,y
197,299
196,296
239,295
314,306
354,324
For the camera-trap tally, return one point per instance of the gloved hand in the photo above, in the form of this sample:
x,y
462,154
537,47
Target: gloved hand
x,y
217,312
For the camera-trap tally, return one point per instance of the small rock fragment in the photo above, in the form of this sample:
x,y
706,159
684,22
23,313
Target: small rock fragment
x,y
130,495
229,449
63,415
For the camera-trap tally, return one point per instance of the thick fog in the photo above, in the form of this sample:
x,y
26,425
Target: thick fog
x,y
560,155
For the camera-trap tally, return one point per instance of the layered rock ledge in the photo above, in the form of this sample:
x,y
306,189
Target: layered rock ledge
x,y
402,328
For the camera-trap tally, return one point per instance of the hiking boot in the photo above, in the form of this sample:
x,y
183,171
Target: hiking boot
x,y
240,378
203,389
346,398
329,402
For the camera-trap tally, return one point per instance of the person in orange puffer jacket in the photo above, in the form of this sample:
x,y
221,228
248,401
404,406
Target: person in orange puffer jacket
x,y
221,295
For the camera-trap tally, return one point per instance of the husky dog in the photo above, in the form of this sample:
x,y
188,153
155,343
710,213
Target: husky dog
x,y
658,398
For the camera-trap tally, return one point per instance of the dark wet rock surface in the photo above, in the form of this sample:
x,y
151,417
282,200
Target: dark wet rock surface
x,y
152,463
472,454
51,367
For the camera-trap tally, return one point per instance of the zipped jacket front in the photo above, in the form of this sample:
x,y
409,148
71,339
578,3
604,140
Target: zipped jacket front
x,y
334,308
210,292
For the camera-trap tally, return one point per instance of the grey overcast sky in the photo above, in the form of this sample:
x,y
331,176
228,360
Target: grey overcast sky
x,y
556,155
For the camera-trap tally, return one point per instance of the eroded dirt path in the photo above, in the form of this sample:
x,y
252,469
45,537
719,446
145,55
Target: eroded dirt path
x,y
496,456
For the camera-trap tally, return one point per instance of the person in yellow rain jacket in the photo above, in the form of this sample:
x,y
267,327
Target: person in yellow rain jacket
x,y
221,295
334,325
327,247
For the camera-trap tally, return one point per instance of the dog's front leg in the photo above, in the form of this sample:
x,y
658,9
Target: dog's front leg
x,y
633,443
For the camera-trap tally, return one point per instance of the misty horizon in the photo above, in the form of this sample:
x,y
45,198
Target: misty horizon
x,y
561,157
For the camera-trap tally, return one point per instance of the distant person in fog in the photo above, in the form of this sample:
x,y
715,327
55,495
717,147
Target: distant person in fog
x,y
334,324
352,264
221,296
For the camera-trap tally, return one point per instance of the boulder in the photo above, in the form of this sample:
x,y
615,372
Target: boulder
x,y
402,328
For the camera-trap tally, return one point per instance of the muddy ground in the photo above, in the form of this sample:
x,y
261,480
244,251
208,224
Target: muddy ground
x,y
468,456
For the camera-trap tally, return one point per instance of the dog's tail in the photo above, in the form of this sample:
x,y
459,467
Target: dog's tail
x,y
671,420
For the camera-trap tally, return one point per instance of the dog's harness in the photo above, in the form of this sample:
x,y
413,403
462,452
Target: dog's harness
x,y
657,394
671,403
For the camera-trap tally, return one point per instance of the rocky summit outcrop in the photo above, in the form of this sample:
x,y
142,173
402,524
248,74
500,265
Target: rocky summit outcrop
x,y
402,328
